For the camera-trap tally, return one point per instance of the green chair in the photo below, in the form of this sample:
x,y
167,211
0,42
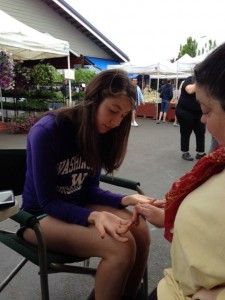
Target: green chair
x,y
12,176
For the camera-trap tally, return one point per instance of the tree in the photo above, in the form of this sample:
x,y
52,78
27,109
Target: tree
x,y
84,76
44,74
207,47
191,47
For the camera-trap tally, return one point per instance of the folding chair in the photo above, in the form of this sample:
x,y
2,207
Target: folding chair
x,y
13,167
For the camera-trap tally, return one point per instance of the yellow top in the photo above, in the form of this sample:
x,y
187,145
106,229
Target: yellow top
x,y
198,247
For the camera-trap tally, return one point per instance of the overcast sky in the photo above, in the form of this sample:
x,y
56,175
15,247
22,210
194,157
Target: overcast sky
x,y
149,31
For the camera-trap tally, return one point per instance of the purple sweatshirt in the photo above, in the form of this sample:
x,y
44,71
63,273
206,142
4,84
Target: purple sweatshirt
x,y
58,180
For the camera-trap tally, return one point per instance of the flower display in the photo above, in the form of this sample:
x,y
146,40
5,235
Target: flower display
x,y
6,70
151,96
21,124
22,75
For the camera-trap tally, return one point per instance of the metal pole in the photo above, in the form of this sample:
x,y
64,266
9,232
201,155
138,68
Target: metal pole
x,y
70,93
1,104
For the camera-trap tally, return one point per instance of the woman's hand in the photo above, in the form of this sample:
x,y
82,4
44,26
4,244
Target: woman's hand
x,y
106,222
204,294
153,214
137,198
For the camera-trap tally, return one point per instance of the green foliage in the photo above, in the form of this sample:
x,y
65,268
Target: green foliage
x,y
84,76
58,77
77,96
191,47
207,47
44,74
15,93
35,105
41,94
22,76
27,105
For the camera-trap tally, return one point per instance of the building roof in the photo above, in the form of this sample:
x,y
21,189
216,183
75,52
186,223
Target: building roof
x,y
73,17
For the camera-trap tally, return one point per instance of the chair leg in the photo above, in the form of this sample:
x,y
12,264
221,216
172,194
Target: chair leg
x,y
43,270
44,286
12,274
143,291
145,283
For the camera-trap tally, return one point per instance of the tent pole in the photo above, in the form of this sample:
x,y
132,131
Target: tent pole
x,y
177,80
70,94
142,82
157,102
1,104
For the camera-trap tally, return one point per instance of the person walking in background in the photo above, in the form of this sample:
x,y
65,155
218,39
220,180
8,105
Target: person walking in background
x,y
176,96
188,112
138,100
166,93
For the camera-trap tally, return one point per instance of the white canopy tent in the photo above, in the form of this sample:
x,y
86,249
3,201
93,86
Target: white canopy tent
x,y
164,68
185,64
156,70
26,43
159,70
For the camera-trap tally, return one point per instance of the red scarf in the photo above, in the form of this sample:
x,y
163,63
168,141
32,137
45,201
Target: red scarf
x,y
206,167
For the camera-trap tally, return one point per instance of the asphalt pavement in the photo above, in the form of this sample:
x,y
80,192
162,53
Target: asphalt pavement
x,y
154,159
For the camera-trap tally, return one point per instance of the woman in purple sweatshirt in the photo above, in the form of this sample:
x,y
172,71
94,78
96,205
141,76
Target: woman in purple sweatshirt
x,y
66,151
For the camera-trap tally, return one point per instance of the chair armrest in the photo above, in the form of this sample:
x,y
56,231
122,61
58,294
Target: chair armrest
x,y
122,182
28,220
25,219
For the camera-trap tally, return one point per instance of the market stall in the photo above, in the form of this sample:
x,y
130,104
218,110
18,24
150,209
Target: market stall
x,y
25,43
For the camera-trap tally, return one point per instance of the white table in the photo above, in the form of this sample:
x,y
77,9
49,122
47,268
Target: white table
x,y
9,212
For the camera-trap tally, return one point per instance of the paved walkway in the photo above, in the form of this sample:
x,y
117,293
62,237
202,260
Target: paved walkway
x,y
154,159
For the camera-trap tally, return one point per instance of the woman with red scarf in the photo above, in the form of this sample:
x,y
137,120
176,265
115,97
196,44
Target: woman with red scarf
x,y
195,205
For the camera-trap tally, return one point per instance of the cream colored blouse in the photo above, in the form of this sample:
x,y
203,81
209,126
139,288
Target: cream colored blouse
x,y
198,247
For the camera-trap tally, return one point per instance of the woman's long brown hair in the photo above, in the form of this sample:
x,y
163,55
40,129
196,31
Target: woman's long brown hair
x,y
101,150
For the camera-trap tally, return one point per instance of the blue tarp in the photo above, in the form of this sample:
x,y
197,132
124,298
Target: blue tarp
x,y
101,63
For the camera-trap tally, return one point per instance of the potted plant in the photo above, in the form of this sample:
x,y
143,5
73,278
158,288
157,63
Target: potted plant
x,y
6,75
22,124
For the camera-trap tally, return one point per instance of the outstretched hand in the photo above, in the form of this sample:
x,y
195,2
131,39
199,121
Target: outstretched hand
x,y
141,199
154,214
107,223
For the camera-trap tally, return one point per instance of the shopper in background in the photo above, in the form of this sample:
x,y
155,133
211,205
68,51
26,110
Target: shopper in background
x,y
139,99
176,96
188,112
166,93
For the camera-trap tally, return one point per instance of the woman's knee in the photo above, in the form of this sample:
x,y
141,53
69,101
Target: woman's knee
x,y
124,253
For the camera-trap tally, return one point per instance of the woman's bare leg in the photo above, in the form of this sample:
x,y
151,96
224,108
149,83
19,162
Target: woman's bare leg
x,y
141,236
160,115
164,117
117,257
